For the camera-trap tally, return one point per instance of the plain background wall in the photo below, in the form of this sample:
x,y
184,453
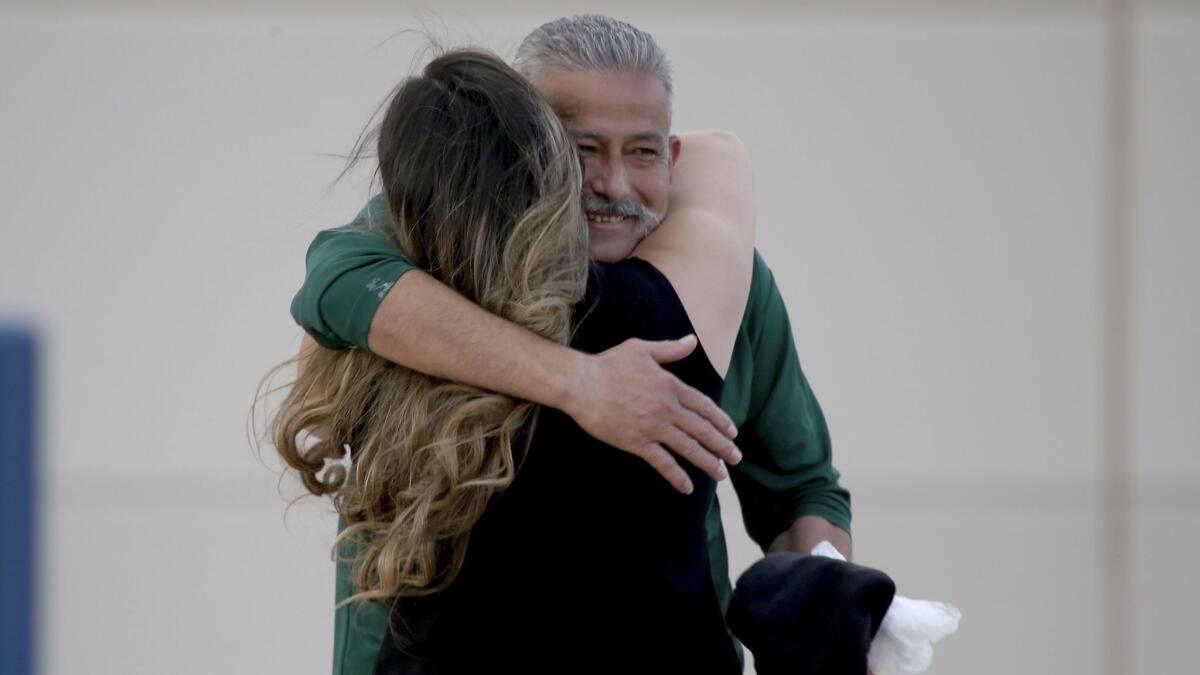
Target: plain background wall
x,y
934,184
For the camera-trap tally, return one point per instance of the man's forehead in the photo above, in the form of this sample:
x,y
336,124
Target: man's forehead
x,y
608,104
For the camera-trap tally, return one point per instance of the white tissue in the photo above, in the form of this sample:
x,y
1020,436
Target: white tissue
x,y
828,550
904,643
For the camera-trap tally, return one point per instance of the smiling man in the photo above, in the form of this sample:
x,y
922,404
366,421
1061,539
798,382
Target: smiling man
x,y
619,123
611,85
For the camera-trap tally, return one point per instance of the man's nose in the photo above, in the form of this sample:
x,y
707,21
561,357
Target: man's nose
x,y
610,180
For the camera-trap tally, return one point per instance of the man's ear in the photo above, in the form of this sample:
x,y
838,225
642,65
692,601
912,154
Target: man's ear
x,y
674,145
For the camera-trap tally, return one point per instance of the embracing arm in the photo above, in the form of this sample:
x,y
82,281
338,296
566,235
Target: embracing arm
x,y
352,296
705,246
621,396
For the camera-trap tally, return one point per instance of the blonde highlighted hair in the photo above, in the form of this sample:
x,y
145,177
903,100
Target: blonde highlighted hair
x,y
483,189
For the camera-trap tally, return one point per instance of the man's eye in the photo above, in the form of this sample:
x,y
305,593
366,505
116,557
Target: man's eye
x,y
646,152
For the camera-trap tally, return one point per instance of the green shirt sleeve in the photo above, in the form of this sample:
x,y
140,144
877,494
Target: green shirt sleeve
x,y
787,469
348,271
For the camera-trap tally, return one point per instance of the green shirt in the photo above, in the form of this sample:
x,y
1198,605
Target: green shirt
x,y
786,470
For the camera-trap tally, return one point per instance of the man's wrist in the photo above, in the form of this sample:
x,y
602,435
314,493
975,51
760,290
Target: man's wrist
x,y
567,380
808,531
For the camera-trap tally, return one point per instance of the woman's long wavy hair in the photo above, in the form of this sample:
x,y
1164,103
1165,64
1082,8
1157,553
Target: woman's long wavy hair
x,y
483,188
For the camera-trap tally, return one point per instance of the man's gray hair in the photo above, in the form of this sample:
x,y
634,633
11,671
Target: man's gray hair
x,y
592,42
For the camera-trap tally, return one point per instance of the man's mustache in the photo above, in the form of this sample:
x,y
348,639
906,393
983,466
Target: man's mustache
x,y
646,221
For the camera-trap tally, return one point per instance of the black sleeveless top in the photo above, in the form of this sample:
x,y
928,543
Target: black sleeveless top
x,y
590,562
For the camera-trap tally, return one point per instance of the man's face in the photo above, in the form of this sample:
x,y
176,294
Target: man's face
x,y
621,124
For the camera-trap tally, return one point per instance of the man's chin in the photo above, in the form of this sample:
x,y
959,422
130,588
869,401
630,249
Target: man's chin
x,y
610,253
611,246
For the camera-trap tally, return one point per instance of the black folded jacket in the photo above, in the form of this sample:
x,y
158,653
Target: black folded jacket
x,y
801,614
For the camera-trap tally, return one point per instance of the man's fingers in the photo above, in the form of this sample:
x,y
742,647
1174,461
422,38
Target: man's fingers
x,y
666,351
662,462
686,447
707,409
709,437
681,421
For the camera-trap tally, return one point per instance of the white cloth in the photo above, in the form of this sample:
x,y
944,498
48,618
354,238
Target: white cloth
x,y
904,643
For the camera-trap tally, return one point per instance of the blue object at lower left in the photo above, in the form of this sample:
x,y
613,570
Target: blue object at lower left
x,y
18,492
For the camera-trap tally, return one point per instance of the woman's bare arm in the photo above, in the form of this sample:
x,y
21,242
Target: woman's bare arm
x,y
705,246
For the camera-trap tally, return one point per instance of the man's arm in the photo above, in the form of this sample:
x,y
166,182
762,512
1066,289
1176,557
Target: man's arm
x,y
621,396
787,485
360,291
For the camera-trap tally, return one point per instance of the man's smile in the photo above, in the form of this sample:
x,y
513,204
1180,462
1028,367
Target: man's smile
x,y
608,220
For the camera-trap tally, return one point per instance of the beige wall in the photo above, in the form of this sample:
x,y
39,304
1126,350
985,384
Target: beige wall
x,y
934,201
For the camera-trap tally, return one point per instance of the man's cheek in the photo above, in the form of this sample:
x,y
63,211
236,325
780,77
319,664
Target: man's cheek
x,y
654,190
590,167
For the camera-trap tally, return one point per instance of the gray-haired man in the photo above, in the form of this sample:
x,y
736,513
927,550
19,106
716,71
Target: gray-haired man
x,y
611,85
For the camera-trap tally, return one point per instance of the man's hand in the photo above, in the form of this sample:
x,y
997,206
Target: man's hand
x,y
625,398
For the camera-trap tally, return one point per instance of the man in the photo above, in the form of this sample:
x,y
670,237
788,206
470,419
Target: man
x,y
611,85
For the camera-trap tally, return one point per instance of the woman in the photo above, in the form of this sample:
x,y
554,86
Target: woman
x,y
505,537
